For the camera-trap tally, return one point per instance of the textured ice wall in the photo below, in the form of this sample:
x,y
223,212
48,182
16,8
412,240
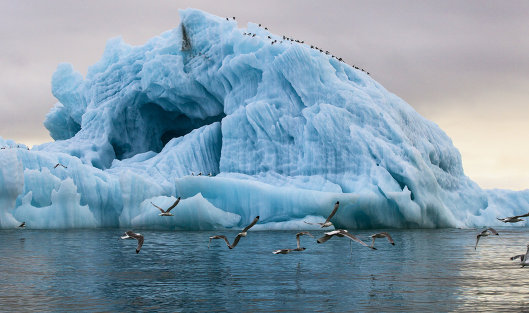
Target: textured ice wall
x,y
287,130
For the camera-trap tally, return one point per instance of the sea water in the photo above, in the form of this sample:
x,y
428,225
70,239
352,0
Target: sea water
x,y
426,270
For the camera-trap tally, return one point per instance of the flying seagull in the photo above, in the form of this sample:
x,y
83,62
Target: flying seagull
x,y
243,233
131,235
512,219
299,248
328,222
381,235
22,225
524,258
342,233
166,212
56,165
485,233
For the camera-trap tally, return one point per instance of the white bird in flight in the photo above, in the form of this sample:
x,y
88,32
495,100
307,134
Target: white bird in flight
x,y
328,222
166,212
131,235
381,235
512,219
485,233
299,248
524,258
342,233
243,233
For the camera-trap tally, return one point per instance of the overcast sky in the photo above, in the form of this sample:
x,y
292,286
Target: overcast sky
x,y
463,65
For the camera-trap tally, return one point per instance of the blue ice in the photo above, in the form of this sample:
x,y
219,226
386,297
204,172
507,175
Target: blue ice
x,y
284,130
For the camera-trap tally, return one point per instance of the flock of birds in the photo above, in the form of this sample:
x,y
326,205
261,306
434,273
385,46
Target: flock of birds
x,y
10,147
328,235
200,174
292,40
524,258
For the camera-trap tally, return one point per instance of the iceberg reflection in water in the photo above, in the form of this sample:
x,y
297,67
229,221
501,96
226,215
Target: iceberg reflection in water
x,y
427,270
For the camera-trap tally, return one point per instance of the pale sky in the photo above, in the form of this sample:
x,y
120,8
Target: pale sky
x,y
463,65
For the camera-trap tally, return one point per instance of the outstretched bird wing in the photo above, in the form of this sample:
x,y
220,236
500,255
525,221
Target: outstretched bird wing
x,y
526,256
236,241
219,237
336,205
372,241
282,251
301,234
324,238
493,231
477,240
133,234
328,236
389,238
523,215
521,256
172,206
251,224
161,210
297,240
140,243
139,237
353,237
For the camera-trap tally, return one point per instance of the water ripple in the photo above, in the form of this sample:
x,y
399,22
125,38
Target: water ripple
x,y
427,270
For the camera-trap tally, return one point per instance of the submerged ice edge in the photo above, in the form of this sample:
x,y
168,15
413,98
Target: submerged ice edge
x,y
284,129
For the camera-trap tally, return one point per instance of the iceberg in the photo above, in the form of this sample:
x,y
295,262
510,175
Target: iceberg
x,y
274,127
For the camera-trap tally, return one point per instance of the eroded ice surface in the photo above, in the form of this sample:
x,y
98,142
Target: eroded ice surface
x,y
285,130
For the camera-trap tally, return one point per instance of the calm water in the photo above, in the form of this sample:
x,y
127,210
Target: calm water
x,y
427,270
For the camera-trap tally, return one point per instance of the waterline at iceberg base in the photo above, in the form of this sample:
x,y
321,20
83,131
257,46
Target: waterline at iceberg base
x,y
285,130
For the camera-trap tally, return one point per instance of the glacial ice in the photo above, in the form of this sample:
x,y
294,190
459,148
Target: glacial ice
x,y
285,131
